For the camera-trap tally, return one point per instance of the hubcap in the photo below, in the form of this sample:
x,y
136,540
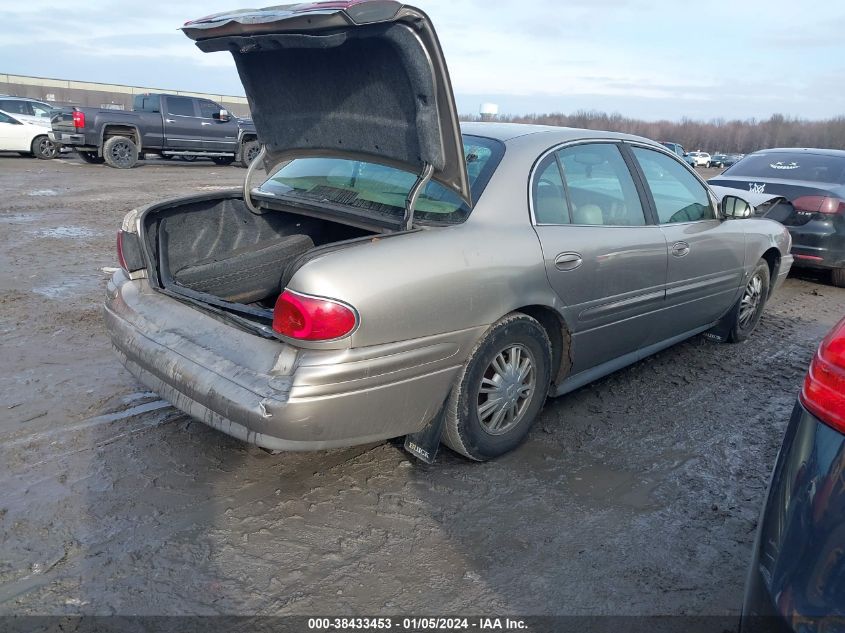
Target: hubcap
x,y
46,147
121,153
252,153
750,300
506,389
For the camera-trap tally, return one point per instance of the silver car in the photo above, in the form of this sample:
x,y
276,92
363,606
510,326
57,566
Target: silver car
x,y
400,275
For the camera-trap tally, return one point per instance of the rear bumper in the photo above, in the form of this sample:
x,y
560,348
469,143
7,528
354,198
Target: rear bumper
x,y
66,138
819,244
272,394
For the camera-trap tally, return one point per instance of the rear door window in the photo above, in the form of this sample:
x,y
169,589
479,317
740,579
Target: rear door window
x,y
180,106
15,106
600,187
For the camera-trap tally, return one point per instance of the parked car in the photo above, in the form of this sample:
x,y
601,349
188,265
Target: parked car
x,y
700,159
28,139
168,125
26,109
813,183
677,148
400,275
797,576
721,160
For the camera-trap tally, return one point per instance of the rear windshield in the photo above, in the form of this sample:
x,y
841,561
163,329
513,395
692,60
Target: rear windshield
x,y
811,167
381,191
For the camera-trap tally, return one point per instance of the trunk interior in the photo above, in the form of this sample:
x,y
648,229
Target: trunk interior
x,y
217,248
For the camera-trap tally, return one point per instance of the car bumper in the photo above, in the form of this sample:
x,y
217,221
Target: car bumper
x,y
66,138
797,577
273,394
786,262
818,244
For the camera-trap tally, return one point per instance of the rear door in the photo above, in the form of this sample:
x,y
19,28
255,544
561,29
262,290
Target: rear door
x,y
604,257
706,255
182,124
14,135
218,136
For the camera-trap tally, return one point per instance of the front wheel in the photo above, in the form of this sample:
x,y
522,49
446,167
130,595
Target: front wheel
x,y
44,148
120,152
249,151
747,313
500,390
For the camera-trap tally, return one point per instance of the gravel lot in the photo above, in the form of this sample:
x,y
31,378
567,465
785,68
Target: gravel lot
x,y
638,494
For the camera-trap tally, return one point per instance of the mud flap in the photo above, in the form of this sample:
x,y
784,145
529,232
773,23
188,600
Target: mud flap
x,y
424,443
720,332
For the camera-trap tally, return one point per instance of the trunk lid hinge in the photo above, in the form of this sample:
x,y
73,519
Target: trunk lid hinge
x,y
411,201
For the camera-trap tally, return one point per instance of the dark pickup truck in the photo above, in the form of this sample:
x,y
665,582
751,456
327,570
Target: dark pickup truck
x,y
167,125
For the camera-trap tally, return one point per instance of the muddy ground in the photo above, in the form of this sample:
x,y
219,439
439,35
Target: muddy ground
x,y
638,494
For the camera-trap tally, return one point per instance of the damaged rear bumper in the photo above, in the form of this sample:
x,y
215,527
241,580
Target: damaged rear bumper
x,y
273,394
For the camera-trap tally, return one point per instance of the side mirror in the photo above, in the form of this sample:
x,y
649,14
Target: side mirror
x,y
736,208
223,115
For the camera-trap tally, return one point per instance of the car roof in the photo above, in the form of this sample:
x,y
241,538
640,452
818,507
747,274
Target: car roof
x,y
803,150
509,131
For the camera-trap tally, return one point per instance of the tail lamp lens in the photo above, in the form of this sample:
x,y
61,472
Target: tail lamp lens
x,y
78,119
819,204
824,386
310,318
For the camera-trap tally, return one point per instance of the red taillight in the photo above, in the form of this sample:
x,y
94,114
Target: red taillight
x,y
824,387
78,119
311,318
819,204
120,258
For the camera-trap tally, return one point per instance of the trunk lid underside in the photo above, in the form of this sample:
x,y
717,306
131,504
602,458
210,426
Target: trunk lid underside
x,y
362,80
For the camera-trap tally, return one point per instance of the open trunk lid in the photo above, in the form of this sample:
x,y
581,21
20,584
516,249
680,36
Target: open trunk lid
x,y
356,79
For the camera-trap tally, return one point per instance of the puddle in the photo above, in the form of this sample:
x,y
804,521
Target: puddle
x,y
62,232
43,192
13,218
63,289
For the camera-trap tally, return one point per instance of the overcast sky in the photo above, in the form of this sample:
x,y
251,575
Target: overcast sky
x,y
650,59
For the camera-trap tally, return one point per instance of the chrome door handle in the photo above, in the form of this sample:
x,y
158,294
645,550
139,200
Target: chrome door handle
x,y
204,123
169,121
568,261
680,249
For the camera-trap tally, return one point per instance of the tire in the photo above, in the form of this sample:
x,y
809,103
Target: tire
x,y
44,148
753,298
189,158
249,151
223,160
837,276
483,432
92,158
120,152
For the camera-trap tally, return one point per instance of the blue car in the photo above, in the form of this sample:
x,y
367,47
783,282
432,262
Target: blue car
x,y
797,576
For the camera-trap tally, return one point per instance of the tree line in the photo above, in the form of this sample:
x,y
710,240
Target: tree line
x,y
716,135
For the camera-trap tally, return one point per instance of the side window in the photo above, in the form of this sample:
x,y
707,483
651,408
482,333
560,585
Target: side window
x,y
678,195
5,118
601,189
40,111
550,205
13,106
180,106
208,109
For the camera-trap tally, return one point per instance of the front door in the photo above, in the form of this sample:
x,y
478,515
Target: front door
x,y
218,136
706,255
182,125
603,257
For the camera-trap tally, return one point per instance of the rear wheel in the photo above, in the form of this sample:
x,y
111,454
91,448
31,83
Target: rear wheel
x,y
44,148
120,152
249,151
748,311
500,390
189,158
92,158
837,276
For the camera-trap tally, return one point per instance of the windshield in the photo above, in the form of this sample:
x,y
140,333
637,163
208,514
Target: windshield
x,y
381,191
792,166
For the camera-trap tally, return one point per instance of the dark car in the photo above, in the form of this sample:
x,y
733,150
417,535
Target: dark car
x,y
813,183
797,576
723,160
168,125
